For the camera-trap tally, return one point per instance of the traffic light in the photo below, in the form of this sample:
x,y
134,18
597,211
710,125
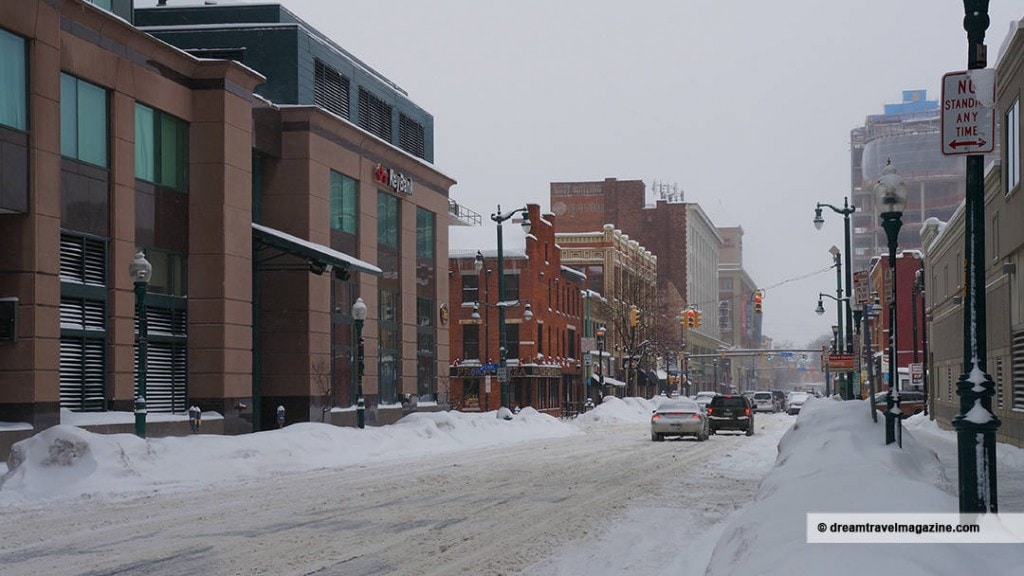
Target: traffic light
x,y
757,302
634,315
691,318
697,319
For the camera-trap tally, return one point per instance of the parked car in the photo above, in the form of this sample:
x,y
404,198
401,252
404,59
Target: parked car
x,y
679,417
780,399
728,412
763,402
796,402
911,402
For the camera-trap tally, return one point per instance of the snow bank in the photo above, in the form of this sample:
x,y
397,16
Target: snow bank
x,y
834,459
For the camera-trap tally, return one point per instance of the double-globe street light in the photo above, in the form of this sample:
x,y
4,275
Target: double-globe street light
x,y
499,217
891,198
820,310
846,210
141,271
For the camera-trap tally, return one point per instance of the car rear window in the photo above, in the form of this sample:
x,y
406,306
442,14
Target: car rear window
x,y
763,396
734,402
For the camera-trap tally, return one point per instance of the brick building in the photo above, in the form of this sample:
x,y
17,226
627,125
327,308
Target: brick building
x,y
543,347
263,224
683,239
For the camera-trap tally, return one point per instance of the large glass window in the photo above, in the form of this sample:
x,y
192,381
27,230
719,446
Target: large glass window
x,y
424,233
83,121
161,148
389,346
13,82
426,344
344,192
387,220
1011,128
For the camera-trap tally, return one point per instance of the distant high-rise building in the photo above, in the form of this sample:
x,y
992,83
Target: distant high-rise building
x,y
908,134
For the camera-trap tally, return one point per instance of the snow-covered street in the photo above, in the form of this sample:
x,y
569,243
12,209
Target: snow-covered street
x,y
494,510
453,493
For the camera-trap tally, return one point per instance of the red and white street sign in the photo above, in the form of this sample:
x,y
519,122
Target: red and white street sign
x,y
968,119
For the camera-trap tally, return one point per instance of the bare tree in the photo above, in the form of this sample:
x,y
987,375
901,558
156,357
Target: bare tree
x,y
320,370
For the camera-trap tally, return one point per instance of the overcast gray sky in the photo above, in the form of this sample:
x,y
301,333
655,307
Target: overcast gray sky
x,y
746,104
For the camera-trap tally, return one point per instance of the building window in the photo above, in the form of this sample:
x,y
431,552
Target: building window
x,y
1017,368
999,383
512,339
426,339
166,354
470,288
1011,129
161,148
374,115
344,193
330,89
410,136
387,221
390,345
83,121
168,272
424,233
83,323
13,82
105,4
511,287
471,342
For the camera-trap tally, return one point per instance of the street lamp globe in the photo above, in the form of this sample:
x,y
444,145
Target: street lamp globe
x,y
528,313
890,191
818,220
820,309
478,262
359,310
526,223
140,268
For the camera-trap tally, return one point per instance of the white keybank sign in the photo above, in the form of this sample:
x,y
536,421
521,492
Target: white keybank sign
x,y
968,120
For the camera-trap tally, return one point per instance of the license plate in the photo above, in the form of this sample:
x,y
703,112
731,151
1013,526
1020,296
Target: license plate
x,y
677,426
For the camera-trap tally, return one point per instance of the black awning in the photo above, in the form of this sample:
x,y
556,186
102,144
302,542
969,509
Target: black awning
x,y
320,258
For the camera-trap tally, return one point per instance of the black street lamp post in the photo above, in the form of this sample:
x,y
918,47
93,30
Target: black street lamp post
x,y
891,195
359,315
976,424
870,312
600,358
141,271
836,344
499,217
846,210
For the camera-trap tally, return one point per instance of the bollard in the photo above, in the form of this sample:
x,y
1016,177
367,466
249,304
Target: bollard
x,y
280,416
140,416
195,416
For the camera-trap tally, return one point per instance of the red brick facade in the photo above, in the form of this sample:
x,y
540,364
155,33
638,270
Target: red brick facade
x,y
544,352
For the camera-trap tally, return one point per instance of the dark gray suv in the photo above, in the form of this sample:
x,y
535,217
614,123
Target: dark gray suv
x,y
728,412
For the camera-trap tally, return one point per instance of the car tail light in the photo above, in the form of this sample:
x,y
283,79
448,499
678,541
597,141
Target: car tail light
x,y
695,415
746,411
709,410
655,417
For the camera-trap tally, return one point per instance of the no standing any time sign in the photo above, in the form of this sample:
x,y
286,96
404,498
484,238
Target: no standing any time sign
x,y
968,121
